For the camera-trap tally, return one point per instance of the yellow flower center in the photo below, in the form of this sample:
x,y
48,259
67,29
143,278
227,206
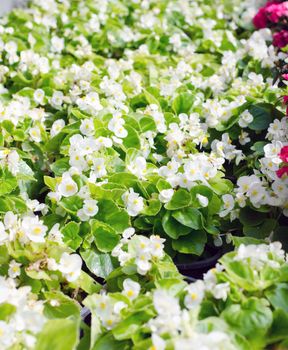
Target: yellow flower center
x,y
69,187
37,230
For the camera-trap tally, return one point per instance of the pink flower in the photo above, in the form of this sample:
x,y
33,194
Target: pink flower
x,y
273,11
282,171
276,11
260,19
280,39
284,154
285,77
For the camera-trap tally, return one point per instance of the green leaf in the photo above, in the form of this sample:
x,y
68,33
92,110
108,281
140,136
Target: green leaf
x,y
180,199
108,342
263,116
278,330
258,147
86,283
183,103
25,172
7,181
189,217
71,235
153,208
60,166
50,182
151,99
193,243
112,215
172,227
66,307
53,145
59,334
5,205
147,123
105,236
252,319
203,191
250,217
8,126
221,186
237,241
162,185
261,231
278,296
126,179
98,263
71,204
132,140
6,310
76,113
131,324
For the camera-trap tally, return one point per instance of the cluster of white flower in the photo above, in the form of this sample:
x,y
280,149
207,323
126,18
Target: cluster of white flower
x,y
26,320
139,250
133,201
198,167
107,308
29,229
257,256
181,325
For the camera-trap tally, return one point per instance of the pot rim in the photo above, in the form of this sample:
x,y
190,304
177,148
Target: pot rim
x,y
197,265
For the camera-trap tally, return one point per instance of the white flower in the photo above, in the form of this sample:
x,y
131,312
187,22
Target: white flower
x,y
7,337
34,229
87,127
57,126
57,44
82,216
245,119
166,195
244,138
272,151
228,204
170,169
165,304
128,233
134,203
70,266
158,342
245,182
90,103
55,234
57,99
220,291
256,193
14,269
35,134
195,294
90,207
99,169
3,234
13,160
39,95
138,167
131,289
157,246
67,186
143,263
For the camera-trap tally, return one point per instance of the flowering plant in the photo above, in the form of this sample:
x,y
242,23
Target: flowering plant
x,y
135,135
241,304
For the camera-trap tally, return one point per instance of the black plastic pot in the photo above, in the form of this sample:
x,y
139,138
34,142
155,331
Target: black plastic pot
x,y
196,269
